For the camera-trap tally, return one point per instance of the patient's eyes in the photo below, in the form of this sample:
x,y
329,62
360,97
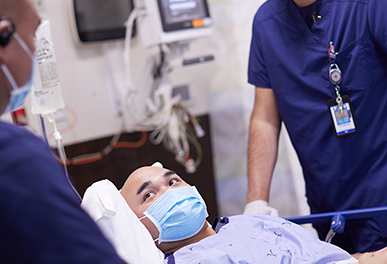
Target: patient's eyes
x,y
148,195
172,182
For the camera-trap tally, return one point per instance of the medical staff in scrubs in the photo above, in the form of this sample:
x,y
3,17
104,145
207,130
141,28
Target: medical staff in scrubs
x,y
320,67
41,220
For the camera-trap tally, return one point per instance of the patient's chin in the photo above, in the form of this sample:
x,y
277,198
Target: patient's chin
x,y
152,229
168,247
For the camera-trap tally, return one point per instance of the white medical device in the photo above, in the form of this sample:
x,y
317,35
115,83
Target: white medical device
x,y
167,21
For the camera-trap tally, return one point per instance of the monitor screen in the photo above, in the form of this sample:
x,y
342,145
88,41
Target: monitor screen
x,y
98,20
182,14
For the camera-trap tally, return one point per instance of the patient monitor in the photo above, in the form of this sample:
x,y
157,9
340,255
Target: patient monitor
x,y
167,21
99,20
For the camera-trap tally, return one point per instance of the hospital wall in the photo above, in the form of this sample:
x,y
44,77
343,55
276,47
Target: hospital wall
x,y
218,89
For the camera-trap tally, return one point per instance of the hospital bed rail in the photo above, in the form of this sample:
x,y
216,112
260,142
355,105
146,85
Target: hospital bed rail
x,y
338,218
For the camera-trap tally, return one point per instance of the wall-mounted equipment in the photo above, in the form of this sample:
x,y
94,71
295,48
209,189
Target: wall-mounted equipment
x,y
167,21
100,20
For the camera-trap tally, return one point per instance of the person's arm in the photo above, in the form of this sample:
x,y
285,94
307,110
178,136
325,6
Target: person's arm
x,y
377,257
265,125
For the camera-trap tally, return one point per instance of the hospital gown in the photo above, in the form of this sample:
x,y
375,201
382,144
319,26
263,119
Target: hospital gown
x,y
259,239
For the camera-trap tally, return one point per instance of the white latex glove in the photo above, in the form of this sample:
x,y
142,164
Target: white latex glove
x,y
259,207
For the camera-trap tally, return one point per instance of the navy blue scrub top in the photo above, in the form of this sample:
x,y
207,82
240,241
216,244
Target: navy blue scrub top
x,y
41,220
292,59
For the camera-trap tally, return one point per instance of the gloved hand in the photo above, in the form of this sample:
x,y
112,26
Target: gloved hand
x,y
259,207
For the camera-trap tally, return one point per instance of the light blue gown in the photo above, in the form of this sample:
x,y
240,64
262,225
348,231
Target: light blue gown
x,y
259,239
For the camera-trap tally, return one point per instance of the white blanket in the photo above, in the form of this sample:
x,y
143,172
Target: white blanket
x,y
132,241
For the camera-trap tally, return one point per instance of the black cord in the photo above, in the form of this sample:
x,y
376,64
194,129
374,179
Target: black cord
x,y
157,73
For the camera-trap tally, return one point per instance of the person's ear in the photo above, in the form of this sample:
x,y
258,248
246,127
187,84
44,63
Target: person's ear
x,y
7,28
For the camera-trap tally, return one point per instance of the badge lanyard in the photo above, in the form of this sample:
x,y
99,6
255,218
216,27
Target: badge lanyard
x,y
340,108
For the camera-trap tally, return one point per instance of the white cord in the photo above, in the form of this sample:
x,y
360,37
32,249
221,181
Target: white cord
x,y
61,151
141,122
160,112
128,36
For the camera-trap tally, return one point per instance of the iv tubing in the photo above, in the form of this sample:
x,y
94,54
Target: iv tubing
x,y
61,151
43,129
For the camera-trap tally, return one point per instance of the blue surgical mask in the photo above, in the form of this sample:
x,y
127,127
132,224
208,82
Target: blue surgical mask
x,y
178,214
18,94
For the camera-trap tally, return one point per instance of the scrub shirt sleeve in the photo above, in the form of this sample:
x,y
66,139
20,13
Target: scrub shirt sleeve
x,y
377,23
41,219
257,72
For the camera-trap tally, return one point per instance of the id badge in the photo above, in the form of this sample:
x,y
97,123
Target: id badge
x,y
343,122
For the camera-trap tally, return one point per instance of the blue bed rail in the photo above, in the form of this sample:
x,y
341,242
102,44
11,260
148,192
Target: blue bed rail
x,y
349,214
338,218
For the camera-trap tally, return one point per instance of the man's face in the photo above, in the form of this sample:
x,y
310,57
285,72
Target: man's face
x,y
146,185
26,20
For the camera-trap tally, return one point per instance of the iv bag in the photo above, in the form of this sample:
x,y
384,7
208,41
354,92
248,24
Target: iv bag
x,y
46,95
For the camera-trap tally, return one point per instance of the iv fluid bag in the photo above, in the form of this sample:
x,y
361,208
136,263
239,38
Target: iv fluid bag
x,y
46,96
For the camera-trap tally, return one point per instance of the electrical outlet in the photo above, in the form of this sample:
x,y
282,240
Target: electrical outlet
x,y
182,90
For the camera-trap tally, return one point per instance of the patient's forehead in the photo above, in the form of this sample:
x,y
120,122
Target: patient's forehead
x,y
138,177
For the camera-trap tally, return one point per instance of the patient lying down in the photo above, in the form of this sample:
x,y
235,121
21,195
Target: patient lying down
x,y
175,215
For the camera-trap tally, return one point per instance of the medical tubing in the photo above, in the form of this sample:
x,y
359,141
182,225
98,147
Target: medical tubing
x,y
62,153
96,156
193,139
198,148
158,73
330,236
137,144
73,122
43,129
110,80
159,120
136,12
71,125
177,136
88,158
155,120
193,135
158,134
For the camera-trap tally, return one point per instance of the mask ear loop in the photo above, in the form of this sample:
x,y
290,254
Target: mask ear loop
x,y
23,44
9,76
5,68
154,240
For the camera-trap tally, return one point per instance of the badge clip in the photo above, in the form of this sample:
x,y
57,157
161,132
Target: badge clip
x,y
340,108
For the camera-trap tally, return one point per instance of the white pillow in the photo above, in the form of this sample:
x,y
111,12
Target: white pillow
x,y
132,241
